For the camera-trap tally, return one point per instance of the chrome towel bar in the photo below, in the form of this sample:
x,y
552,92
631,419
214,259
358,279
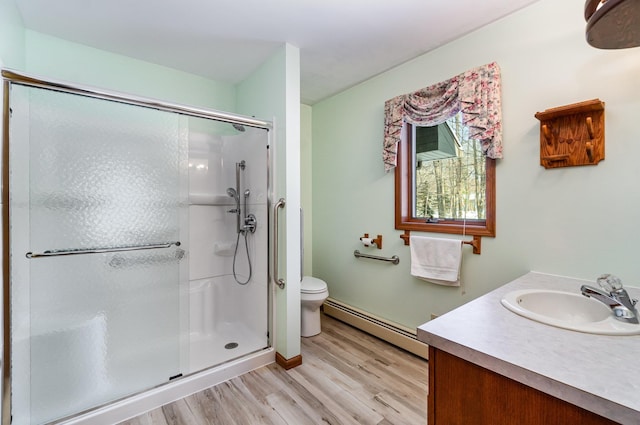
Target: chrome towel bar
x,y
59,252
395,259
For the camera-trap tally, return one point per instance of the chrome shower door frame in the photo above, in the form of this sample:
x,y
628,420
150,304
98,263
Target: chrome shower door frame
x,y
12,77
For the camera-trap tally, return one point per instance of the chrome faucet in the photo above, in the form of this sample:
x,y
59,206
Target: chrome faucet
x,y
614,296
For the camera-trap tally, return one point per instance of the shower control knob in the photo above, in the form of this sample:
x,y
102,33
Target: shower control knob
x,y
250,223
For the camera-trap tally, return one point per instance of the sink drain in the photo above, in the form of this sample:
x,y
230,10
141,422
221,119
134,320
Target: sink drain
x,y
231,345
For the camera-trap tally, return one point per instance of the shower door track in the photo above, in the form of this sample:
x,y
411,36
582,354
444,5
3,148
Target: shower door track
x,y
15,77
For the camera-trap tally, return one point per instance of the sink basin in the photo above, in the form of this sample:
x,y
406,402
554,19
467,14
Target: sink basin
x,y
567,310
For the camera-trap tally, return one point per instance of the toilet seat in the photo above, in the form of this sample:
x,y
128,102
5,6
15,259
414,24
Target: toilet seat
x,y
312,285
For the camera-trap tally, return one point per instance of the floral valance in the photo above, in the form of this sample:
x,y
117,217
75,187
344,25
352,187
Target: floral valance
x,y
476,93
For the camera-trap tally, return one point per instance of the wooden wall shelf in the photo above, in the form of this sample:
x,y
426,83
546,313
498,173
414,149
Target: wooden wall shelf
x,y
572,135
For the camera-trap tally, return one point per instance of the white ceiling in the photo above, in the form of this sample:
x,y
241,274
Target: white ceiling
x,y
342,42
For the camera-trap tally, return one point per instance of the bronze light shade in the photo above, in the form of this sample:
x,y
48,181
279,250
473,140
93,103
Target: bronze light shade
x,y
613,25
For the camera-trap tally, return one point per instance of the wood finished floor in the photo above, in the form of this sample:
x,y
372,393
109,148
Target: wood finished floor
x,y
347,377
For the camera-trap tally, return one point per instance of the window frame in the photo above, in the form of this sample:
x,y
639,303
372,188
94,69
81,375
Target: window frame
x,y
404,219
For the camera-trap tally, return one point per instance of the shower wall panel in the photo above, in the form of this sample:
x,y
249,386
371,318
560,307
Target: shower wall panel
x,y
227,319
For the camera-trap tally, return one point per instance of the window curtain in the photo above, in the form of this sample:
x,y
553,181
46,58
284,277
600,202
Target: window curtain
x,y
476,93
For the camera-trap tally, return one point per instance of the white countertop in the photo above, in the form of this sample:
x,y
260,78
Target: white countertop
x,y
596,372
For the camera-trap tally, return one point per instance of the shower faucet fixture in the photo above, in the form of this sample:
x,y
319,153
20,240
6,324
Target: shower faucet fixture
x,y
250,222
244,222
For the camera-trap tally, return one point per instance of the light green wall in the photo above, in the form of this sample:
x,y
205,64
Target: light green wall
x,y
579,221
11,36
306,179
273,92
54,58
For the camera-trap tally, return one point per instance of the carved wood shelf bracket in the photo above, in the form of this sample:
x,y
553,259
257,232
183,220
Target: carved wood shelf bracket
x,y
572,135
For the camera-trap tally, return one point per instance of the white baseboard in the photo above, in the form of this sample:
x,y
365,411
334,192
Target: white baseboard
x,y
386,330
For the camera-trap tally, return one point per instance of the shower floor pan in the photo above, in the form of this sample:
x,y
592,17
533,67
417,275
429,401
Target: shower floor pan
x,y
230,341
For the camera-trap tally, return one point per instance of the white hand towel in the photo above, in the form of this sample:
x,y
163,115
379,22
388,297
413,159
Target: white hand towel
x,y
436,260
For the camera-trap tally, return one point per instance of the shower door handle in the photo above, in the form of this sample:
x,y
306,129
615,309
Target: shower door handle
x,y
279,281
61,252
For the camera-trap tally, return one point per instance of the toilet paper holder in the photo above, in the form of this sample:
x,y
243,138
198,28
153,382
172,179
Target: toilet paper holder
x,y
367,241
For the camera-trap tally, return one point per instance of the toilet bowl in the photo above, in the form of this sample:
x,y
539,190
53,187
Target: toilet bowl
x,y
313,292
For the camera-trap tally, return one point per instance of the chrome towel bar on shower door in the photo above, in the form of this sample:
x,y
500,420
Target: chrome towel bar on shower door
x,y
59,252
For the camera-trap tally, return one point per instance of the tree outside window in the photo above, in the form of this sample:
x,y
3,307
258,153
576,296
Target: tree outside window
x,y
450,176
444,182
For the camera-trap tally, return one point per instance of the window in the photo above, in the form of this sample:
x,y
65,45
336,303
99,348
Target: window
x,y
444,183
414,135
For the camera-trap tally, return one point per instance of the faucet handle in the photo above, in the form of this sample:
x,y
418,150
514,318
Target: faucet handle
x,y
609,282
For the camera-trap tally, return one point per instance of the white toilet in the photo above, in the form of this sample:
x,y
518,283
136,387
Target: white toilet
x,y
313,292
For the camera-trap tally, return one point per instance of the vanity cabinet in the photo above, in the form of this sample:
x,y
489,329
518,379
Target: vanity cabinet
x,y
464,393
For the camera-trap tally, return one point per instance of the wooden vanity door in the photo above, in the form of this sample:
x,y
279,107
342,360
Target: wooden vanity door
x,y
463,393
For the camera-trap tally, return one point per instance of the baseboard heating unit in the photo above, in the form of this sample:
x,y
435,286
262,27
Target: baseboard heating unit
x,y
386,330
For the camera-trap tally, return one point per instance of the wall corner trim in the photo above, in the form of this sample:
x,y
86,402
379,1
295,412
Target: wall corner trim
x,y
288,363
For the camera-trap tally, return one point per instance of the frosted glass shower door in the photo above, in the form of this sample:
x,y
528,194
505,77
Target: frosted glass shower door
x,y
98,220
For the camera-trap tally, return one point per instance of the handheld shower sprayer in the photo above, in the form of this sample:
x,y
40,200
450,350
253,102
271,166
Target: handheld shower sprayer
x,y
244,222
234,194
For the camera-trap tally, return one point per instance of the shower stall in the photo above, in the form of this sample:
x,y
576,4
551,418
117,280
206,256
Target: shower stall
x,y
136,249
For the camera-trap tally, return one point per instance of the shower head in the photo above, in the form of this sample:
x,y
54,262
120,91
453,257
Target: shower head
x,y
246,193
232,192
239,127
